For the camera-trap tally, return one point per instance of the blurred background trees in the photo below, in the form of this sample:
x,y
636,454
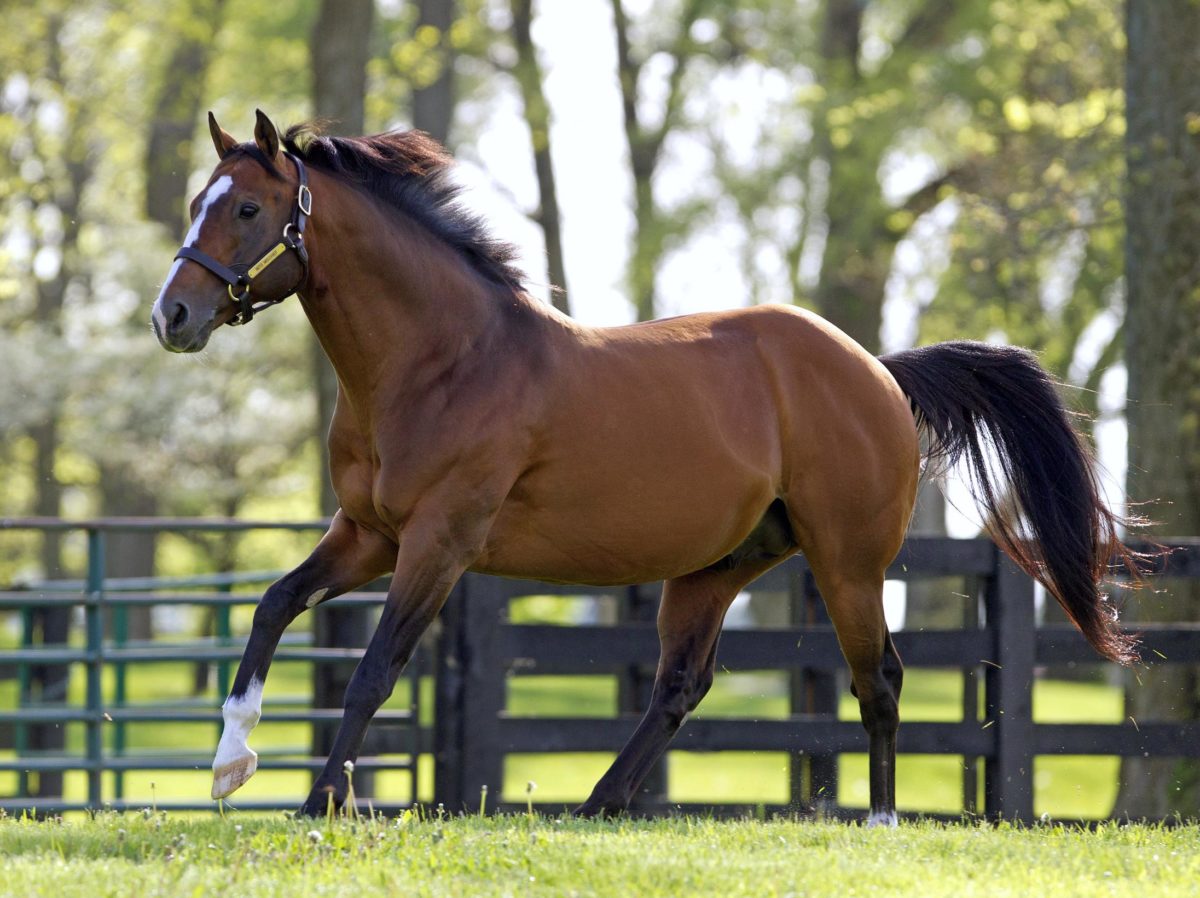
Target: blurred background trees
x,y
914,170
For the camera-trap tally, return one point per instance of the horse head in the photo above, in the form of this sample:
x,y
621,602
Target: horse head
x,y
246,241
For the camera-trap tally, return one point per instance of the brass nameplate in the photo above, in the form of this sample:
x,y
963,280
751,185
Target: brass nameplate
x,y
266,260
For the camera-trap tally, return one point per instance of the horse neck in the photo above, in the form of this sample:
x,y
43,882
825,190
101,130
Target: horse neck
x,y
392,306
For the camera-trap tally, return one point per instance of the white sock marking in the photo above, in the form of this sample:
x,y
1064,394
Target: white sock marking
x,y
241,714
218,189
887,820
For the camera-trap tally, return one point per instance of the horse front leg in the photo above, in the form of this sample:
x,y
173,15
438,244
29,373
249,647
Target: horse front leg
x,y
426,571
347,557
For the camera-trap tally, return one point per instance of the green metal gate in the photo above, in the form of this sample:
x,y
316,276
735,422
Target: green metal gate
x,y
102,711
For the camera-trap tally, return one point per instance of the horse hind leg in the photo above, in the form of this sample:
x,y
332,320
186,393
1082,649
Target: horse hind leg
x,y
856,609
689,623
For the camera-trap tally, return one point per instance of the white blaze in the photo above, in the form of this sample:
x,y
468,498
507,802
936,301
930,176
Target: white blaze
x,y
218,189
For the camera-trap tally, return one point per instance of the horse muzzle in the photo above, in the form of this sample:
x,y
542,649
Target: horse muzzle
x,y
179,327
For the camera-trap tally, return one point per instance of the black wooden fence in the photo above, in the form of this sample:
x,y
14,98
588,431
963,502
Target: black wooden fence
x,y
1004,650
477,651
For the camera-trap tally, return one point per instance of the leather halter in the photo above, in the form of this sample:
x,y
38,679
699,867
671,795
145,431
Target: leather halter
x,y
239,276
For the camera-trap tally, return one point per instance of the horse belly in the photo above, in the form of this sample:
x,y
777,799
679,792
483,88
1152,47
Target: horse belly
x,y
604,551
618,516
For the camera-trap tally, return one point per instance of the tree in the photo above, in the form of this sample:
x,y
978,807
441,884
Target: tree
x,y
1162,331
180,87
645,140
339,48
60,158
434,85
188,30
528,73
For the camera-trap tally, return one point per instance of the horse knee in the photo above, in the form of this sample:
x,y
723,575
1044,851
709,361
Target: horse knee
x,y
276,609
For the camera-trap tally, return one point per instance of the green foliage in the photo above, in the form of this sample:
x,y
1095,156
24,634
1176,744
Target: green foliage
x,y
1036,247
74,115
767,138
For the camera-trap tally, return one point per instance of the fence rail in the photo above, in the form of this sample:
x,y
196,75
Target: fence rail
x,y
479,648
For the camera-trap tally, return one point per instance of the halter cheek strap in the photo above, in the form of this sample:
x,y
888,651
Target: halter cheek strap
x,y
239,277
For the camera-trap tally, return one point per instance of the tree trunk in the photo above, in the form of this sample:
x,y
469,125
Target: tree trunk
x,y
645,147
339,50
49,682
1162,333
51,626
168,162
537,117
856,262
129,554
176,110
433,103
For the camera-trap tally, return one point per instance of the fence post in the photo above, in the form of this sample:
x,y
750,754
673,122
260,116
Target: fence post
x,y
970,701
449,695
94,618
223,627
814,782
481,757
24,697
120,628
635,687
1008,688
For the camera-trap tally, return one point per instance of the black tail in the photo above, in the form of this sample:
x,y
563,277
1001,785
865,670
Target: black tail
x,y
974,395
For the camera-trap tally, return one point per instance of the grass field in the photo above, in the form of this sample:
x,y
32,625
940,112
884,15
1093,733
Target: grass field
x,y
152,854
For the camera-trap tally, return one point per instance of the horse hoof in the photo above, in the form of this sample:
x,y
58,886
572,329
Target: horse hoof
x,y
596,810
318,804
230,774
886,819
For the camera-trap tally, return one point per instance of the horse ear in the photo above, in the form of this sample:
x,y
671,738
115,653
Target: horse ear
x,y
266,136
220,138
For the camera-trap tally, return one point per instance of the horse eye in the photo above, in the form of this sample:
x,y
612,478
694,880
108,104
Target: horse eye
x,y
248,210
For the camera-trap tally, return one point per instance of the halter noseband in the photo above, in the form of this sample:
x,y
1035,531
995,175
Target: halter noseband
x,y
239,276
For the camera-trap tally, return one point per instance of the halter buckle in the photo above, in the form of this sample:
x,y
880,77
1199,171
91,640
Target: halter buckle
x,y
304,199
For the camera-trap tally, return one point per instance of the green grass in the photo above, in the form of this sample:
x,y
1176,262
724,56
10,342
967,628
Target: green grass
x,y
155,855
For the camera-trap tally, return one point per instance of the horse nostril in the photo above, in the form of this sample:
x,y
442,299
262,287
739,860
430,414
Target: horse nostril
x,y
179,317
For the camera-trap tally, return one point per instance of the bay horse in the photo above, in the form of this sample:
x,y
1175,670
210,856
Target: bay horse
x,y
479,429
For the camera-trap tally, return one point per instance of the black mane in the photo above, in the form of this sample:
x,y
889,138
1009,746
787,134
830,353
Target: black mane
x,y
410,171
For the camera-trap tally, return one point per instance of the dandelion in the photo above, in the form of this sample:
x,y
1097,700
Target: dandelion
x,y
351,808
